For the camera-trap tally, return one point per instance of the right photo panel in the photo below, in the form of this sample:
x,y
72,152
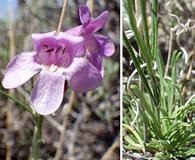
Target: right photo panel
x,y
158,79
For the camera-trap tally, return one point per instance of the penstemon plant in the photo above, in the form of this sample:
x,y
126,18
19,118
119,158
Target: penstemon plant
x,y
156,114
74,56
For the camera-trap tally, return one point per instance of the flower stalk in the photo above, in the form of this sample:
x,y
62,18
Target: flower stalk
x,y
90,3
59,150
62,15
37,137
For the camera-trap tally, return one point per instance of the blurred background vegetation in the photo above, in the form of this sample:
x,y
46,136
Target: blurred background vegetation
x,y
93,124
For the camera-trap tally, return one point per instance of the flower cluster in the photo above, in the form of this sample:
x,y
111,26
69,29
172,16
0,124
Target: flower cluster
x,y
74,56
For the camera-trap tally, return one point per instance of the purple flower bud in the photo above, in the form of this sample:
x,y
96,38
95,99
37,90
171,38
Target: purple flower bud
x,y
95,46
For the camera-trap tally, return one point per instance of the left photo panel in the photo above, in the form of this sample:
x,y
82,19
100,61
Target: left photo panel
x,y
60,80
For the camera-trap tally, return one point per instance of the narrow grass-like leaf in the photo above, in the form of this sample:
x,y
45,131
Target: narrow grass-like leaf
x,y
155,123
139,39
145,24
21,104
154,28
137,65
136,136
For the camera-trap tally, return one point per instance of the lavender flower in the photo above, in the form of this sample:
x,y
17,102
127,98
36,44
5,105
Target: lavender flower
x,y
54,61
96,46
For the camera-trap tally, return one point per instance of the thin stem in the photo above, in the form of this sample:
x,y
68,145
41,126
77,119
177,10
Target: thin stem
x,y
37,138
9,111
39,119
187,77
65,123
17,101
90,3
62,15
72,96
169,53
11,34
109,152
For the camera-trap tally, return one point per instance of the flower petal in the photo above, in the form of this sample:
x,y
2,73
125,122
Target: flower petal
x,y
20,69
97,24
92,44
107,46
76,31
40,38
83,76
73,44
48,92
53,39
84,14
96,60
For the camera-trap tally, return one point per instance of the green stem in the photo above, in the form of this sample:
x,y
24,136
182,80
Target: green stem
x,y
21,104
37,138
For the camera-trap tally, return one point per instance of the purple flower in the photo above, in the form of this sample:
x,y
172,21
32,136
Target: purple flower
x,y
54,61
96,46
